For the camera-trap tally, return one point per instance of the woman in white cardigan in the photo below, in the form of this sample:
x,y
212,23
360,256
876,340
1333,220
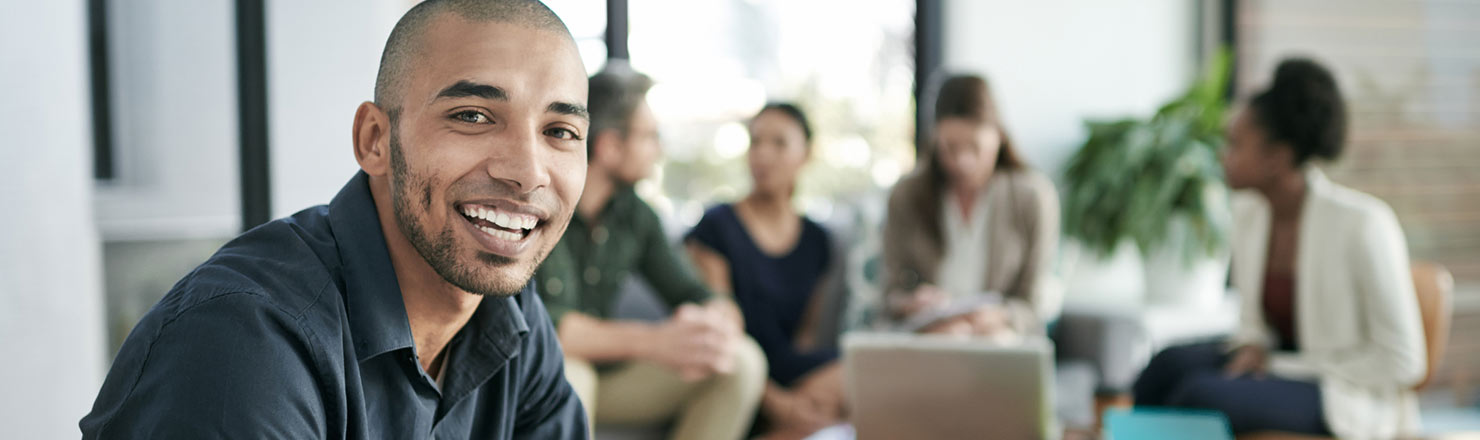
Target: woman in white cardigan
x,y
1331,340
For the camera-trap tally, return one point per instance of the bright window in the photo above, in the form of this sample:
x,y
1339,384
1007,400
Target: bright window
x,y
716,63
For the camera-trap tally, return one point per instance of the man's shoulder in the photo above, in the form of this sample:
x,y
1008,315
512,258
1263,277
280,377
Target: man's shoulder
x,y
286,264
199,345
260,321
629,207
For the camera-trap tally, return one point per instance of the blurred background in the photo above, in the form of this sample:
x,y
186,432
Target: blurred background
x,y
140,135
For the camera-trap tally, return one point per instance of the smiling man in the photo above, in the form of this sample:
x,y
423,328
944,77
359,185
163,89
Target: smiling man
x,y
403,308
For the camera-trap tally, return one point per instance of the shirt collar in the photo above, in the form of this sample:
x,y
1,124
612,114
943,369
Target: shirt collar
x,y
1316,181
491,338
501,320
377,314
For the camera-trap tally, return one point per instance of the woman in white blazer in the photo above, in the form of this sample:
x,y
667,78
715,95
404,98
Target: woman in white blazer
x,y
1330,340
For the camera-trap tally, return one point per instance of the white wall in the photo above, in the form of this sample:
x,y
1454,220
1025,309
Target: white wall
x,y
322,58
173,72
1054,63
50,295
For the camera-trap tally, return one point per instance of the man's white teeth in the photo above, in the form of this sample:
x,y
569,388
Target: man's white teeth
x,y
502,235
502,219
516,221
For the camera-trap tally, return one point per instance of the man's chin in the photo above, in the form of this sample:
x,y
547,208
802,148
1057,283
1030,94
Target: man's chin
x,y
494,275
496,261
498,290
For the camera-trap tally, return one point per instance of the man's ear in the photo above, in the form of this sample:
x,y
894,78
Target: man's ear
x,y
605,147
372,139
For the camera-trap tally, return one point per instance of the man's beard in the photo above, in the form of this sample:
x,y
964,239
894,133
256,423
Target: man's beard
x,y
440,250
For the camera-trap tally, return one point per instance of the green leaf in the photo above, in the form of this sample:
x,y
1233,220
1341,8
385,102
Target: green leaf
x,y
1132,177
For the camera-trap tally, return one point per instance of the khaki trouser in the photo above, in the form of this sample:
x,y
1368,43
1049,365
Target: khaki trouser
x,y
719,407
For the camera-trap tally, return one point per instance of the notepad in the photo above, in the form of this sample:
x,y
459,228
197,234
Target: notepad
x,y
1165,423
954,308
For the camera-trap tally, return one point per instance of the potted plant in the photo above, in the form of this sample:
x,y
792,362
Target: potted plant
x,y
1157,183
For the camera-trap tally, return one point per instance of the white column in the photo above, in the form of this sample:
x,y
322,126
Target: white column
x,y
51,320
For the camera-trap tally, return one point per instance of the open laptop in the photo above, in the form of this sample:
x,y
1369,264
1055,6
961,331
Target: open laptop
x,y
918,386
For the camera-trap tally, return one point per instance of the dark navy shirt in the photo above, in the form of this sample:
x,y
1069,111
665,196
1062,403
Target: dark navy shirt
x,y
773,292
296,330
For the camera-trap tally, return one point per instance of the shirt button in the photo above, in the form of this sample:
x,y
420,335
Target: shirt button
x,y
599,235
554,286
593,276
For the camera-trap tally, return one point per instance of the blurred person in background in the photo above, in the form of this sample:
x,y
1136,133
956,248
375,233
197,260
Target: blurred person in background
x,y
403,308
697,366
772,260
1330,339
973,220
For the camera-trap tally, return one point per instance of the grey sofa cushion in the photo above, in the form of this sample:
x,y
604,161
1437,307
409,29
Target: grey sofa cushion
x,y
1106,340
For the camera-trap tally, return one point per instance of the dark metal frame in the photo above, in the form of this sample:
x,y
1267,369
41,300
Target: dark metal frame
x,y
616,30
102,91
929,55
251,69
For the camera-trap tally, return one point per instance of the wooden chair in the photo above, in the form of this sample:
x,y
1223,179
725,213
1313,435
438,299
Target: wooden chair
x,y
1434,286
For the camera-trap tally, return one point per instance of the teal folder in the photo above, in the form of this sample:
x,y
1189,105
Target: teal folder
x,y
1166,424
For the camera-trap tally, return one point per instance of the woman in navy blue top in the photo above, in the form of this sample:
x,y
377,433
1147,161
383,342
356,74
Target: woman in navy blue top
x,y
773,259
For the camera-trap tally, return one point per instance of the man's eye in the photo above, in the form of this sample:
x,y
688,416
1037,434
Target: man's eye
x,y
562,134
471,117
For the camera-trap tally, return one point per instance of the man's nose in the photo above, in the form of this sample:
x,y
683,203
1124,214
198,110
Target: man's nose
x,y
517,158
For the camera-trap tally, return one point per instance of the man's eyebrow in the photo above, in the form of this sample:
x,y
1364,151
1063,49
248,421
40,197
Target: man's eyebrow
x,y
467,88
567,108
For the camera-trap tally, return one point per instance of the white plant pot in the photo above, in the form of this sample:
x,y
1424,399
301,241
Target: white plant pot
x,y
1113,280
1172,279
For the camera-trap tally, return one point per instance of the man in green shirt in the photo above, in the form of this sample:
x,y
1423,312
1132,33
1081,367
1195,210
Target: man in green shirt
x,y
698,367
